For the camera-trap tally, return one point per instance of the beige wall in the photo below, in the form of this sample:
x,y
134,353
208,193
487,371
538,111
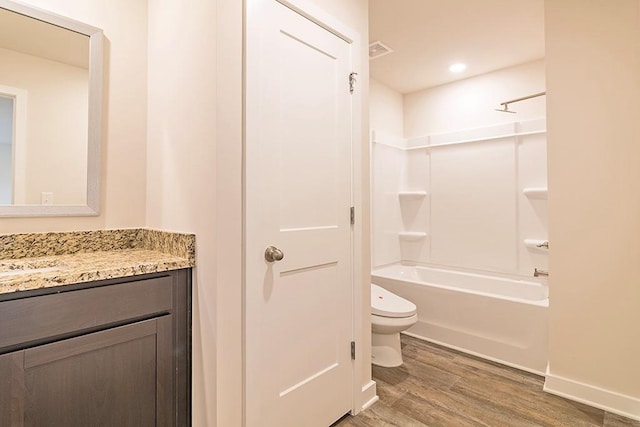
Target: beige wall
x,y
123,178
181,165
593,103
229,213
385,109
471,103
56,144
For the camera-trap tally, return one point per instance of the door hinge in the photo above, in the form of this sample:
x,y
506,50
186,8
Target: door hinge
x,y
352,82
353,350
352,215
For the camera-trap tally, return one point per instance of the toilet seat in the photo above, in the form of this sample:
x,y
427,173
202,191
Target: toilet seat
x,y
387,304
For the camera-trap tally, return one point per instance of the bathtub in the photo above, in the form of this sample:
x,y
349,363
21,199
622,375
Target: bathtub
x,y
500,318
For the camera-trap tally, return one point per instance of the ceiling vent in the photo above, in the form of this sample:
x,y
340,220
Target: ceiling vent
x,y
378,49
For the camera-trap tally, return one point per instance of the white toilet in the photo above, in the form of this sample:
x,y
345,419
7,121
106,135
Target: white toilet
x,y
390,315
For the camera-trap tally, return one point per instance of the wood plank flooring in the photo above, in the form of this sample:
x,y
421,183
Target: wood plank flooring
x,y
437,386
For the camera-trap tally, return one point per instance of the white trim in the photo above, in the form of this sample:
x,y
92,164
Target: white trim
x,y
387,139
467,141
315,14
591,395
357,166
369,396
50,17
482,134
19,145
40,211
94,133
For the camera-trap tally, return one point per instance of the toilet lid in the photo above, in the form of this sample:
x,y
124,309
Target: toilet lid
x,y
387,304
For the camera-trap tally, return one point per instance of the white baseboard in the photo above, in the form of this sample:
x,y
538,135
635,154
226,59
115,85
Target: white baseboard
x,y
607,400
369,396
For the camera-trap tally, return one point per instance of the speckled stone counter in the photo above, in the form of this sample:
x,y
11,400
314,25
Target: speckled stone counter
x,y
43,260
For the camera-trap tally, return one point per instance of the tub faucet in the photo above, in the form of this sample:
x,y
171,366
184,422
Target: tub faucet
x,y
544,245
538,273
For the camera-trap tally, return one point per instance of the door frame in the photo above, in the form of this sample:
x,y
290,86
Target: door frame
x,y
19,145
315,14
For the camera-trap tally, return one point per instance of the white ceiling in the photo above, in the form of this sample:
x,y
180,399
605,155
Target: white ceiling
x,y
428,35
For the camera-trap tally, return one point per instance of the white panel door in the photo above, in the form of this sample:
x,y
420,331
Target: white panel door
x,y
297,197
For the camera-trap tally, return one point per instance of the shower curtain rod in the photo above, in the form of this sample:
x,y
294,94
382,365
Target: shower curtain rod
x,y
506,103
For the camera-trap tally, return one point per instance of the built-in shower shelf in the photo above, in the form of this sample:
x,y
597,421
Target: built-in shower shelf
x,y
539,244
536,193
411,235
412,195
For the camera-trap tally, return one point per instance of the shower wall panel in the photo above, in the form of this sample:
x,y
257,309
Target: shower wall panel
x,y
532,213
473,206
387,170
415,210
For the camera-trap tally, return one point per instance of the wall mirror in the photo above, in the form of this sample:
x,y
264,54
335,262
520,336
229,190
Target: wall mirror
x,y
50,113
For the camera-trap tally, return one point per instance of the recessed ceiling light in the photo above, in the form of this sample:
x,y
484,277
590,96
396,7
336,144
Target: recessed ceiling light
x,y
458,67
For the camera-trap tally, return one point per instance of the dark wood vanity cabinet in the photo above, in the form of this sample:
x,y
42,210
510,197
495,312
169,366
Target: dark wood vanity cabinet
x,y
109,353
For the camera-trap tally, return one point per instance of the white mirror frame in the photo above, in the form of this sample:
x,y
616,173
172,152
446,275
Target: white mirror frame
x,y
95,117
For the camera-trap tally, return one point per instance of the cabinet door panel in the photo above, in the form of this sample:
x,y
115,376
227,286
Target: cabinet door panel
x,y
103,379
87,343
12,389
166,384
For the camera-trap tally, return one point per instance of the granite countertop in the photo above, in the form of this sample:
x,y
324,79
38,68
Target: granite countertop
x,y
45,260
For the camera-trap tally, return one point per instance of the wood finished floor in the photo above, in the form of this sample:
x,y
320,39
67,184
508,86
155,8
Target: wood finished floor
x,y
441,387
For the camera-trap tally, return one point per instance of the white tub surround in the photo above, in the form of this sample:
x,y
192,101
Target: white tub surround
x,y
473,198
412,236
497,317
536,193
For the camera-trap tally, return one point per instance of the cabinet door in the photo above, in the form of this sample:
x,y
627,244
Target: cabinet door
x,y
12,389
117,377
